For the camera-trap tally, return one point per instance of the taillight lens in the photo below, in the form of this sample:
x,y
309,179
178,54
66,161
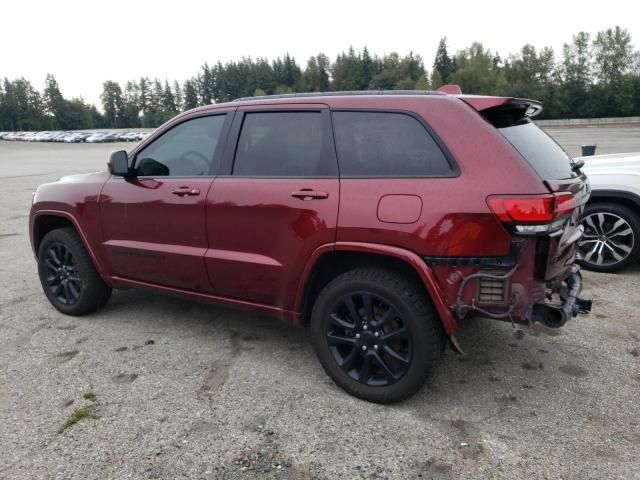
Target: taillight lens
x,y
531,208
528,209
565,204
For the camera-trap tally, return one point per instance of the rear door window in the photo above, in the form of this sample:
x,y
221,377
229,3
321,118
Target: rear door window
x,y
544,155
386,144
283,144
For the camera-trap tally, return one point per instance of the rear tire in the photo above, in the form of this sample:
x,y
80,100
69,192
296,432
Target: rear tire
x,y
606,247
68,276
376,334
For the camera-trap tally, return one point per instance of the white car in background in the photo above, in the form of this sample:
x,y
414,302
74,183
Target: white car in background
x,y
612,217
95,138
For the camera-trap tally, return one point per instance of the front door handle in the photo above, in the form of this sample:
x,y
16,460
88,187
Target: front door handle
x,y
186,191
309,194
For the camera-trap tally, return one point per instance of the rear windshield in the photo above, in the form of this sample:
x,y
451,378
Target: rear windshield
x,y
544,155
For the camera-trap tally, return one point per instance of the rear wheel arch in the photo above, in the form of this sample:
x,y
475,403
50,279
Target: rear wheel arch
x,y
329,263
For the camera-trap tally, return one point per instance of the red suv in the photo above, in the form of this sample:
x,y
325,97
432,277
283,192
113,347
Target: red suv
x,y
380,218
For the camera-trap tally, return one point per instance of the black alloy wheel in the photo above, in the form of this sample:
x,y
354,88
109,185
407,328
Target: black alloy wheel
x,y
368,339
376,334
67,274
61,274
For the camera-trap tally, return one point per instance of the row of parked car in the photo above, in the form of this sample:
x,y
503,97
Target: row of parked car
x,y
75,137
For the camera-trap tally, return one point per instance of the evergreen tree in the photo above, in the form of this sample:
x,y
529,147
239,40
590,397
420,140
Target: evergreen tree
x,y
144,98
190,94
54,102
112,103
132,107
263,76
168,104
443,64
177,92
9,106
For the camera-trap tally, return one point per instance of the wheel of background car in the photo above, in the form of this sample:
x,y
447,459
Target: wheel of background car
x,y
68,277
611,238
375,334
200,161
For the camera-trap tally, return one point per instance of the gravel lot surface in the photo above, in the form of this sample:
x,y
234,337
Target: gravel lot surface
x,y
184,390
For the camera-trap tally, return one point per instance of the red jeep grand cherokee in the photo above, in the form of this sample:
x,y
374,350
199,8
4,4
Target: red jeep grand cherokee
x,y
380,218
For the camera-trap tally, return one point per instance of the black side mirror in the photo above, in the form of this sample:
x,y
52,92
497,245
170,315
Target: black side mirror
x,y
119,164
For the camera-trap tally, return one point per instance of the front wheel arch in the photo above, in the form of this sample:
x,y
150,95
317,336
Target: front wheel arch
x,y
43,224
45,221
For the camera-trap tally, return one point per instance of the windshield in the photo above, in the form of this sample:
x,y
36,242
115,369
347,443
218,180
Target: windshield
x,y
544,155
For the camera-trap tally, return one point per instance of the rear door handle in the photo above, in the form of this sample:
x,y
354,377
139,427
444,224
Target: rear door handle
x,y
186,191
309,194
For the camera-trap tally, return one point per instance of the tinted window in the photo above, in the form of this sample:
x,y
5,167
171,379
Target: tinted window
x,y
283,144
386,144
185,150
544,155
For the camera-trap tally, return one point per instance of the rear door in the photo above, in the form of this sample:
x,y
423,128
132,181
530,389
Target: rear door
x,y
274,203
154,222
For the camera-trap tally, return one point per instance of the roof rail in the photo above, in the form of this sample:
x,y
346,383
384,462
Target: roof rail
x,y
340,94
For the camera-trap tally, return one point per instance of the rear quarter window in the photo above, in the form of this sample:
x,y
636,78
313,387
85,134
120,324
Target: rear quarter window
x,y
544,155
386,144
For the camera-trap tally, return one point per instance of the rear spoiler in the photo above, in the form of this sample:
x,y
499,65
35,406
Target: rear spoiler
x,y
499,111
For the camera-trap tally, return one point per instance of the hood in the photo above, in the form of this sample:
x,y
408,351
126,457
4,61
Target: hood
x,y
612,163
616,172
84,177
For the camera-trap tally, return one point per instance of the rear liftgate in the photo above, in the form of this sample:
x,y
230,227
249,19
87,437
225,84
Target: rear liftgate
x,y
554,216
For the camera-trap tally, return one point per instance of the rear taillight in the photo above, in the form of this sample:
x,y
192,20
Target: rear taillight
x,y
526,209
565,204
532,213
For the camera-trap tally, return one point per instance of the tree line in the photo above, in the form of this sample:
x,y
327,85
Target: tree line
x,y
595,76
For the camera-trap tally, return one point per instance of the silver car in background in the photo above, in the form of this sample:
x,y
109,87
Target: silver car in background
x,y
611,222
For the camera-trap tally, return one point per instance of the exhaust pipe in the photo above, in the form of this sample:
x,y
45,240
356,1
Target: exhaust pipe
x,y
556,315
552,316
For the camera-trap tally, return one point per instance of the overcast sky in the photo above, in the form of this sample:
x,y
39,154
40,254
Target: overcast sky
x,y
84,43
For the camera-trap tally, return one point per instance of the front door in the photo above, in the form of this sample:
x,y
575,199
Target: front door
x,y
274,203
154,222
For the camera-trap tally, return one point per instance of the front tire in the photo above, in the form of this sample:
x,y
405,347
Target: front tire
x,y
376,334
68,277
611,238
